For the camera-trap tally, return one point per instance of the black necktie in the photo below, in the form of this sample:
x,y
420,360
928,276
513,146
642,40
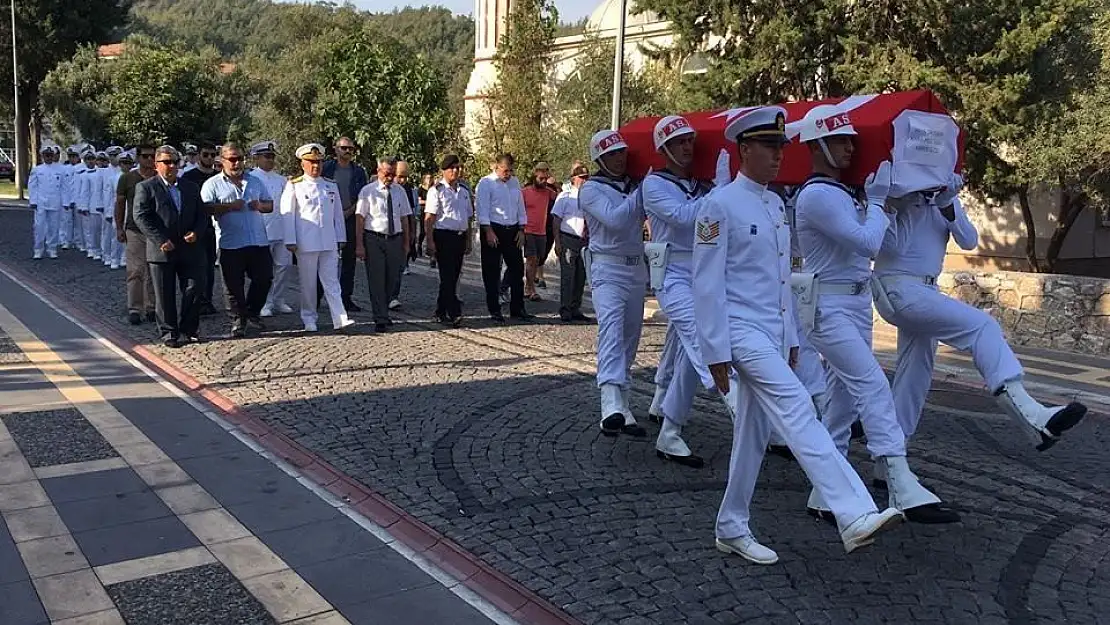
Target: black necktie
x,y
389,210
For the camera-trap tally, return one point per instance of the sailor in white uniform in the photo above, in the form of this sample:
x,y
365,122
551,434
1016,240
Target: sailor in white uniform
x,y
742,309
45,187
617,273
88,196
839,235
906,296
66,236
264,154
671,201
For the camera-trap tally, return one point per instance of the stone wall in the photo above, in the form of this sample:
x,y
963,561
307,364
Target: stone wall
x,y
1068,313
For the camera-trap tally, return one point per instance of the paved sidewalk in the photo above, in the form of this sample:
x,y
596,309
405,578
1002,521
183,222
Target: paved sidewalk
x,y
123,503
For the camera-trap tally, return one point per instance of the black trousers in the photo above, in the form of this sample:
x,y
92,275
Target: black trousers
x,y
208,242
347,263
492,256
450,250
415,252
188,271
551,234
237,265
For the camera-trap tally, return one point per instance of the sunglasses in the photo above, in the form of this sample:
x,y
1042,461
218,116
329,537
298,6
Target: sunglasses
x,y
346,148
174,163
232,159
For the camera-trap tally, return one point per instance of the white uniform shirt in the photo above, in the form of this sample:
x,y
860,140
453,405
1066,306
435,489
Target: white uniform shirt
x,y
742,269
46,185
573,220
372,205
275,184
68,189
500,202
313,216
671,211
919,240
87,188
838,236
614,218
452,207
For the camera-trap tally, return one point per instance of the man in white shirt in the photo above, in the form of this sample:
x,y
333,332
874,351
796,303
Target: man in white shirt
x,y
502,218
264,153
382,238
448,210
45,187
570,222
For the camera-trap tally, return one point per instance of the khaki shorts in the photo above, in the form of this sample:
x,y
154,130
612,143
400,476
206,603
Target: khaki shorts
x,y
535,245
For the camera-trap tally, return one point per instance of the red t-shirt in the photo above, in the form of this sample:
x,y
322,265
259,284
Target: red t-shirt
x,y
536,203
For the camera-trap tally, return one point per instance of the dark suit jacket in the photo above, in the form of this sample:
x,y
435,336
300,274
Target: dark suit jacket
x,y
160,220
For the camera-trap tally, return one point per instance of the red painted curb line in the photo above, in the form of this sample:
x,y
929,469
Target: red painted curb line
x,y
508,595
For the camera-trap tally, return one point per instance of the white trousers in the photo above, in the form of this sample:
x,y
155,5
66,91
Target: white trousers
x,y
80,225
93,222
110,248
923,316
857,386
618,296
676,298
771,396
325,266
283,260
810,369
665,372
46,230
65,227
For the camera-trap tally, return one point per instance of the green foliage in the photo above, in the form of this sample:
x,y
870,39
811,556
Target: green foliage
x,y
225,25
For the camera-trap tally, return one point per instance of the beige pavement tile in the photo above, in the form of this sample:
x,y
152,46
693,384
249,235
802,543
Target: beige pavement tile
x,y
286,596
14,469
21,496
72,594
32,523
77,468
107,617
247,557
124,435
163,474
51,556
101,414
187,498
142,453
327,618
154,565
214,526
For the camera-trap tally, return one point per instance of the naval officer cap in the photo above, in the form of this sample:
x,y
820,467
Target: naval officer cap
x,y
190,149
263,147
72,150
101,155
310,152
113,151
766,124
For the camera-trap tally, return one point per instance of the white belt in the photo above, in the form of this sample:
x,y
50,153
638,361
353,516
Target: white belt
x,y
617,259
851,288
889,281
679,255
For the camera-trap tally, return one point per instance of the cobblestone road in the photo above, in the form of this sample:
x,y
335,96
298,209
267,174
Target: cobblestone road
x,y
489,435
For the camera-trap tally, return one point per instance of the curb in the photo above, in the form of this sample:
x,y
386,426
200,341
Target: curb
x,y
509,596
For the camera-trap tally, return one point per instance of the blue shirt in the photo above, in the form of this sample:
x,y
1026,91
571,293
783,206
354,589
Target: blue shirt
x,y
241,228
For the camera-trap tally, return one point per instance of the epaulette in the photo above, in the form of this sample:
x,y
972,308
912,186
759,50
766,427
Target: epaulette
x,y
297,179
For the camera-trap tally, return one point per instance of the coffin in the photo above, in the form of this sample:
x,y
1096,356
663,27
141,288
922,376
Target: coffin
x,y
911,128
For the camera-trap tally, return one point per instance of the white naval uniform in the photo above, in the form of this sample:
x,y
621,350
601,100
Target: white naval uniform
x,y
88,200
275,232
615,219
838,238
671,210
45,188
742,309
68,221
313,221
110,248
911,258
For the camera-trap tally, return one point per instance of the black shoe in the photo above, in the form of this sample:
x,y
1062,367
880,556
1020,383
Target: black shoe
x,y
151,317
134,319
634,430
381,328
497,318
432,264
189,338
255,323
207,309
582,318
523,316
613,424
566,318
389,322
352,307
931,514
238,330
171,341
541,284
692,461
1061,422
781,451
456,322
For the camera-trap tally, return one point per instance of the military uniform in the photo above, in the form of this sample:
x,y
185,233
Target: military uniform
x,y
88,196
45,188
275,231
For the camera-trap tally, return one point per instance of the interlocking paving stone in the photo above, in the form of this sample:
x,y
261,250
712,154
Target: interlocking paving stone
x,y
106,545
110,483
489,434
203,595
19,605
57,437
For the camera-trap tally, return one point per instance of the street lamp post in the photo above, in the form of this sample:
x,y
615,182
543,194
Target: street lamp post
x,y
618,67
20,148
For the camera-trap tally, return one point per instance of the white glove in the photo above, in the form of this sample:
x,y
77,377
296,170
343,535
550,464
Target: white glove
x,y
723,174
877,185
945,198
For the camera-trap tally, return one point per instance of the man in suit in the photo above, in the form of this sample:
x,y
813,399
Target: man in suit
x,y
171,216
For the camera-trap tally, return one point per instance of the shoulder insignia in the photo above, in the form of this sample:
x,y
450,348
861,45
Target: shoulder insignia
x,y
296,180
708,231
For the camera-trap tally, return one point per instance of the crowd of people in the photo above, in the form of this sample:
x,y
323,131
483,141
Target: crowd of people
x,y
768,291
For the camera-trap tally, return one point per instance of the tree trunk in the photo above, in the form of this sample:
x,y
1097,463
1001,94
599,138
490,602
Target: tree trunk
x,y
1069,209
1030,229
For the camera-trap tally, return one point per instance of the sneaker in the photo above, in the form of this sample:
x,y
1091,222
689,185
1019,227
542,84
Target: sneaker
x,y
394,304
432,264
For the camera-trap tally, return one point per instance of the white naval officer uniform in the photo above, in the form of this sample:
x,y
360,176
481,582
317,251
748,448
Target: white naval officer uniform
x,y
110,249
45,188
275,232
313,220
88,193
66,236
617,273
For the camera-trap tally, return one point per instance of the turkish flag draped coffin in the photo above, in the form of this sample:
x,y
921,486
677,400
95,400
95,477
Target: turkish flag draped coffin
x,y
910,128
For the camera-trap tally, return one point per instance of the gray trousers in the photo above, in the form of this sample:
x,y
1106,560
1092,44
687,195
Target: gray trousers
x,y
572,275
385,259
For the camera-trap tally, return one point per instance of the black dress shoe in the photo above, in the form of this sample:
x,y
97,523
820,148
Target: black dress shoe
x,y
255,323
582,318
822,515
189,339
931,514
523,317
613,424
634,430
381,328
566,319
1061,422
238,330
781,451
151,317
692,461
456,322
171,341
134,319
352,307
207,309
498,318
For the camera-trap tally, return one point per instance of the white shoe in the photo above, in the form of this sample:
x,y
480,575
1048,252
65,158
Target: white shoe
x,y
346,323
115,266
310,327
37,256
284,309
52,254
1047,424
748,548
670,440
266,312
96,257
406,272
861,532
395,304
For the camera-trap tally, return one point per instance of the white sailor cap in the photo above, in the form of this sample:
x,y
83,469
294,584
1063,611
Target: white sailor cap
x,y
765,123
101,155
48,147
73,150
310,152
190,149
263,147
113,150
127,155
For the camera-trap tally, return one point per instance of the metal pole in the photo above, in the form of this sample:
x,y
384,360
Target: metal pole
x,y
20,147
618,68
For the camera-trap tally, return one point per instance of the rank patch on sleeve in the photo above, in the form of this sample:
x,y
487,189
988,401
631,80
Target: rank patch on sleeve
x,y
708,231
